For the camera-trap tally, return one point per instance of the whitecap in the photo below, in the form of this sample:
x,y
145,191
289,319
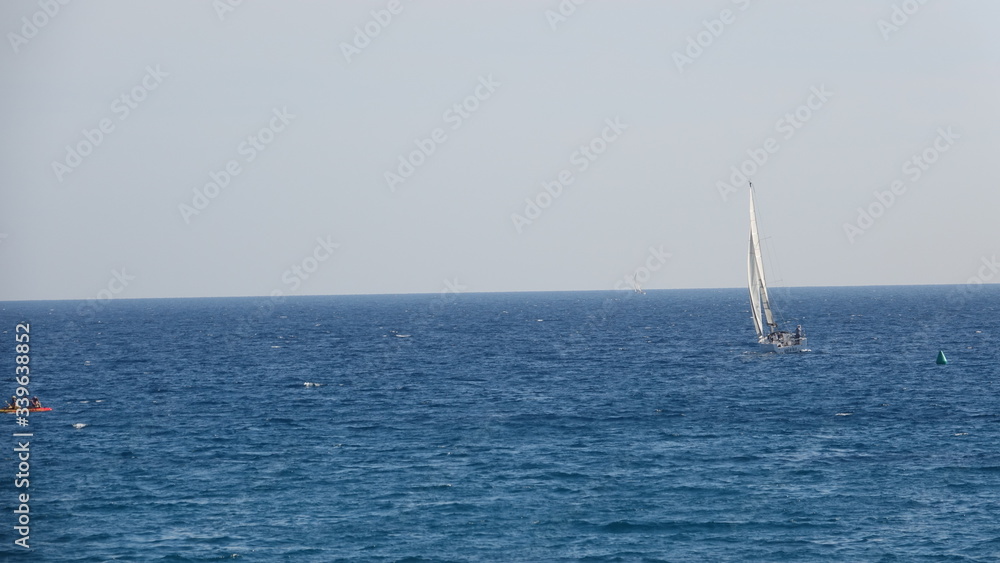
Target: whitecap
x,y
310,384
402,336
79,425
844,414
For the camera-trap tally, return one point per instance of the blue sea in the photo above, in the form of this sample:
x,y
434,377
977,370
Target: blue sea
x,y
578,426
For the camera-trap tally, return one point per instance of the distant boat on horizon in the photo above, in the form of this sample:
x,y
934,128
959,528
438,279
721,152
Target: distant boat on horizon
x,y
769,336
635,286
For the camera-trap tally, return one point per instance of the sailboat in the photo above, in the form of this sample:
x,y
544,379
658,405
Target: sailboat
x,y
770,338
635,286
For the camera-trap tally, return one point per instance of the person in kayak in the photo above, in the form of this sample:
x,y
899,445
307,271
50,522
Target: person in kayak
x,y
35,403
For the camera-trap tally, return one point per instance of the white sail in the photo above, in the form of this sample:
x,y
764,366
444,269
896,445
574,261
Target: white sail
x,y
754,291
758,286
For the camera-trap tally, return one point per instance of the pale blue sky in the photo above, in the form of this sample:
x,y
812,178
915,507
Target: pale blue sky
x,y
322,177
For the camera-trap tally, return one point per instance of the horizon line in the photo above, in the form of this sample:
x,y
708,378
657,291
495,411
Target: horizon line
x,y
624,290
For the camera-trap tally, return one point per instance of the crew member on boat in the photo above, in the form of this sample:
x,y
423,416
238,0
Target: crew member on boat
x,y
35,403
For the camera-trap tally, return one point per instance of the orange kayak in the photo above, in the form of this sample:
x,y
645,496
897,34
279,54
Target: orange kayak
x,y
42,409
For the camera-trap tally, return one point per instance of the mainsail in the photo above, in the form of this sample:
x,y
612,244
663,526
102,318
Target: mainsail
x,y
758,286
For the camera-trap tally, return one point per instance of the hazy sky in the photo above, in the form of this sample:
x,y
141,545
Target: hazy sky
x,y
306,116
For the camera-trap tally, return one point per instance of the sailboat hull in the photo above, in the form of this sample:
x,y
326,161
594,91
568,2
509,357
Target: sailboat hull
x,y
788,345
788,349
781,342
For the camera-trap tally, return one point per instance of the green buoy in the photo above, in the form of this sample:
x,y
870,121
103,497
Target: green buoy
x,y
941,360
